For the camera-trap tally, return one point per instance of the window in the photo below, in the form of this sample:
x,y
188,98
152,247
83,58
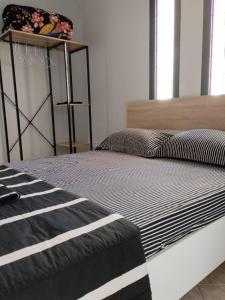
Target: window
x,y
213,70
217,58
164,33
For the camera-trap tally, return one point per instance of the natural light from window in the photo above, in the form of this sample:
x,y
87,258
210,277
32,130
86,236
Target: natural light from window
x,y
165,19
217,57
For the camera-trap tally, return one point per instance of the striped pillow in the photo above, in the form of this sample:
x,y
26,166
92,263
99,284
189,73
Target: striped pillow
x,y
201,145
141,142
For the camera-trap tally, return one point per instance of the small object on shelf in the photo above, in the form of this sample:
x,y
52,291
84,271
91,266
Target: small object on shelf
x,y
71,103
37,21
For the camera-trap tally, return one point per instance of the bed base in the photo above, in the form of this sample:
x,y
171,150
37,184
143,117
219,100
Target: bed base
x,y
176,270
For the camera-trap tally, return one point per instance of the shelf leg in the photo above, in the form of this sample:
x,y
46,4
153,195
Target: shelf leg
x,y
89,98
72,99
51,101
68,94
16,96
4,115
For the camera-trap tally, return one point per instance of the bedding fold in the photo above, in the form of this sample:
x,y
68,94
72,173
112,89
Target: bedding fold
x,y
7,194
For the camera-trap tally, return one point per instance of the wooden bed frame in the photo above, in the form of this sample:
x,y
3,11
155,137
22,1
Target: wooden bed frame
x,y
176,270
178,113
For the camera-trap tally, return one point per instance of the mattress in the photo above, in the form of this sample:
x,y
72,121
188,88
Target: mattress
x,y
167,199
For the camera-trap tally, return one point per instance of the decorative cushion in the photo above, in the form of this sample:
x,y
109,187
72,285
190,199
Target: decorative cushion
x,y
141,142
35,20
201,145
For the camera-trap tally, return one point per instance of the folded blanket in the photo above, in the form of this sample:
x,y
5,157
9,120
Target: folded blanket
x,y
7,194
56,245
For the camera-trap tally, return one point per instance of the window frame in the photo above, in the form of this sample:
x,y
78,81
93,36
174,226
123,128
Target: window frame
x,y
153,48
206,47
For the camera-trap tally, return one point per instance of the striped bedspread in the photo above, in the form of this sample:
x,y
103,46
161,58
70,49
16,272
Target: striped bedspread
x,y
57,246
166,198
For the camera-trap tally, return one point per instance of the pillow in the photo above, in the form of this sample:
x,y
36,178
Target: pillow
x,y
36,20
141,142
201,145
7,194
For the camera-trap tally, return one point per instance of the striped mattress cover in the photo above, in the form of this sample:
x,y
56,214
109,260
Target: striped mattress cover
x,y
167,199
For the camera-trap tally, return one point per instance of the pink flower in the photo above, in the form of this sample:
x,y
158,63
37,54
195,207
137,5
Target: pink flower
x,y
65,27
37,19
54,19
27,28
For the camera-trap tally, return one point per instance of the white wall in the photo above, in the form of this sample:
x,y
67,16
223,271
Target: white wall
x,y
191,47
118,34
33,83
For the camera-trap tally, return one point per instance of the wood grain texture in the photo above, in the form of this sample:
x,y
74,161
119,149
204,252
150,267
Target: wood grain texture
x,y
178,113
40,40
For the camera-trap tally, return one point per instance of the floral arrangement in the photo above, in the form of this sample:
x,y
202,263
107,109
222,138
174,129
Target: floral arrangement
x,y
38,21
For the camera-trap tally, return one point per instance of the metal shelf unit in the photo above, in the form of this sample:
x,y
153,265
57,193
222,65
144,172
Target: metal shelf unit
x,y
49,43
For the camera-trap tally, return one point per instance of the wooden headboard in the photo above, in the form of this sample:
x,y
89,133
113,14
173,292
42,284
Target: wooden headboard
x,y
178,113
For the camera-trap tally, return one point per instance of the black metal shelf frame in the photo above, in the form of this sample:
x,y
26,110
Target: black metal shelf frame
x,y
69,98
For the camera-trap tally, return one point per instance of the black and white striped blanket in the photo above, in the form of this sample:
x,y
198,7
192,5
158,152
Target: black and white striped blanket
x,y
57,246
7,194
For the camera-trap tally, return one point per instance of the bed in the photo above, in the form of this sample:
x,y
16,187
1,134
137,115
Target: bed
x,y
158,195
